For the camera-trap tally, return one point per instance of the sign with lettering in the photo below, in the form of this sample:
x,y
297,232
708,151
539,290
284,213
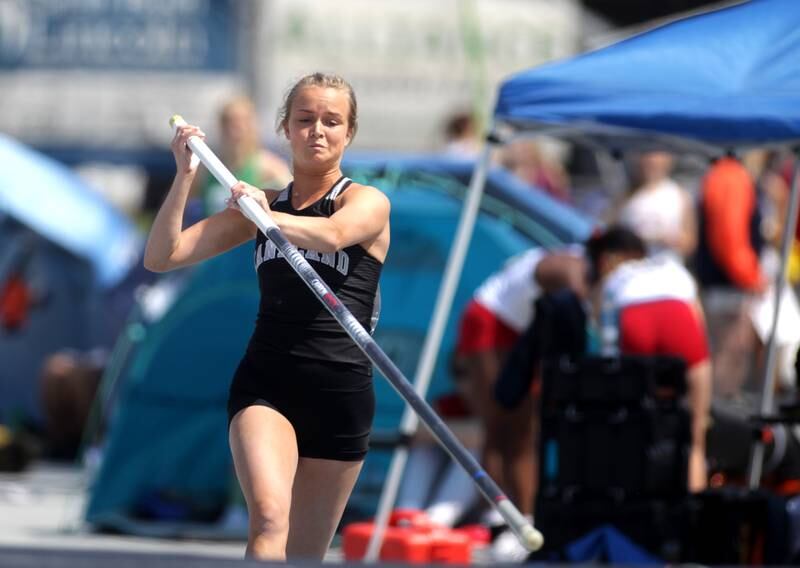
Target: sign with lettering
x,y
118,35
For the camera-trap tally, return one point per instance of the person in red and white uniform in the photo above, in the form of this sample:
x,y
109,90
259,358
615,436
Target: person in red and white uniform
x,y
500,310
654,308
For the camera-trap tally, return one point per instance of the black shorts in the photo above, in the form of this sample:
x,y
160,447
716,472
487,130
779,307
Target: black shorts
x,y
330,405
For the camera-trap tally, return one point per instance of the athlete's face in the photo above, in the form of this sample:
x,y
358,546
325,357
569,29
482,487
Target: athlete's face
x,y
318,128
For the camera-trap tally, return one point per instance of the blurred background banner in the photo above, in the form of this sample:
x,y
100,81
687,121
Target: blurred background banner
x,y
169,35
410,62
93,77
89,75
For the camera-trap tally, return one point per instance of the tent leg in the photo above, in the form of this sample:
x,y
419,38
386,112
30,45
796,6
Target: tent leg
x,y
430,349
767,395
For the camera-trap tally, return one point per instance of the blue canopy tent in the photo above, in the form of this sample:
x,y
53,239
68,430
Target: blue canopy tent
x,y
710,83
715,81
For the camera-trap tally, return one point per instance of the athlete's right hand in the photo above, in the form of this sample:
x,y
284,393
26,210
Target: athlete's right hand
x,y
182,153
242,189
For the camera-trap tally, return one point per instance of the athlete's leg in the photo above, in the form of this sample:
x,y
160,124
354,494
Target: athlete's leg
x,y
321,490
264,449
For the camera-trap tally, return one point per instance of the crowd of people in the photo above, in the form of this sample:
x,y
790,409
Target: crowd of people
x,y
669,271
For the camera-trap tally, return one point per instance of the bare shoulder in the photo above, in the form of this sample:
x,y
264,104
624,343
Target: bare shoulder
x,y
365,194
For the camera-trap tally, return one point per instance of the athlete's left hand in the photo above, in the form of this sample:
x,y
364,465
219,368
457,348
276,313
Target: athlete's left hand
x,y
241,189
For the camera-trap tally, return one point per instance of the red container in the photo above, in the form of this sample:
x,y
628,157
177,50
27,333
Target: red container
x,y
411,539
355,538
399,544
410,518
409,546
450,547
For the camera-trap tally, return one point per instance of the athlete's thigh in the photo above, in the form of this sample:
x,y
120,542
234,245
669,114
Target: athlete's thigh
x,y
321,490
264,450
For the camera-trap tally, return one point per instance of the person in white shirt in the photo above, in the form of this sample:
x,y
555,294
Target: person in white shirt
x,y
659,210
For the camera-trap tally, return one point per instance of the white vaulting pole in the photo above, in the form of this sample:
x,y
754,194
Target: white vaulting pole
x,y
528,535
430,349
767,395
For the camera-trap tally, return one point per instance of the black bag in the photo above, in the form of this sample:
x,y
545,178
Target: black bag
x,y
613,429
614,448
736,525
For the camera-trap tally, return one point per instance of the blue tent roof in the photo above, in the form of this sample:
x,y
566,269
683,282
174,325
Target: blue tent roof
x,y
722,79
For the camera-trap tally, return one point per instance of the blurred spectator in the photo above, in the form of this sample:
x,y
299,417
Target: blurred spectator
x,y
728,268
526,160
68,383
653,303
658,209
241,151
500,310
776,183
772,191
652,306
461,136
786,169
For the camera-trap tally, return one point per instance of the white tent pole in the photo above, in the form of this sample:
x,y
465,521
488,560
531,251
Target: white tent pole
x,y
767,396
430,349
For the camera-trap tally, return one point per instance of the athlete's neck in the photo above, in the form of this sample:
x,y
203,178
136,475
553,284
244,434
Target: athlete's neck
x,y
308,186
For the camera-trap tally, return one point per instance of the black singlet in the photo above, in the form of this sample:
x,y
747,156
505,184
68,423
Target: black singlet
x,y
291,320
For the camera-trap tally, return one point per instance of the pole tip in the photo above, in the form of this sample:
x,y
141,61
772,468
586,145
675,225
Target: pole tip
x,y
531,538
176,120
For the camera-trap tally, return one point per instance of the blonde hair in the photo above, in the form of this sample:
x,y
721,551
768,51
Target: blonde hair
x,y
240,101
326,81
245,104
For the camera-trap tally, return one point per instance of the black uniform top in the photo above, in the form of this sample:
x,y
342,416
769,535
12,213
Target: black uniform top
x,y
291,320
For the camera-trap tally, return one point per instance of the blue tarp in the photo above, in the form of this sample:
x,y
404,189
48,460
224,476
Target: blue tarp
x,y
48,197
722,79
607,544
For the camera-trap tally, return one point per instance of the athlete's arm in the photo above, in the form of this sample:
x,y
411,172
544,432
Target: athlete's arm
x,y
168,246
361,218
562,270
698,379
729,203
